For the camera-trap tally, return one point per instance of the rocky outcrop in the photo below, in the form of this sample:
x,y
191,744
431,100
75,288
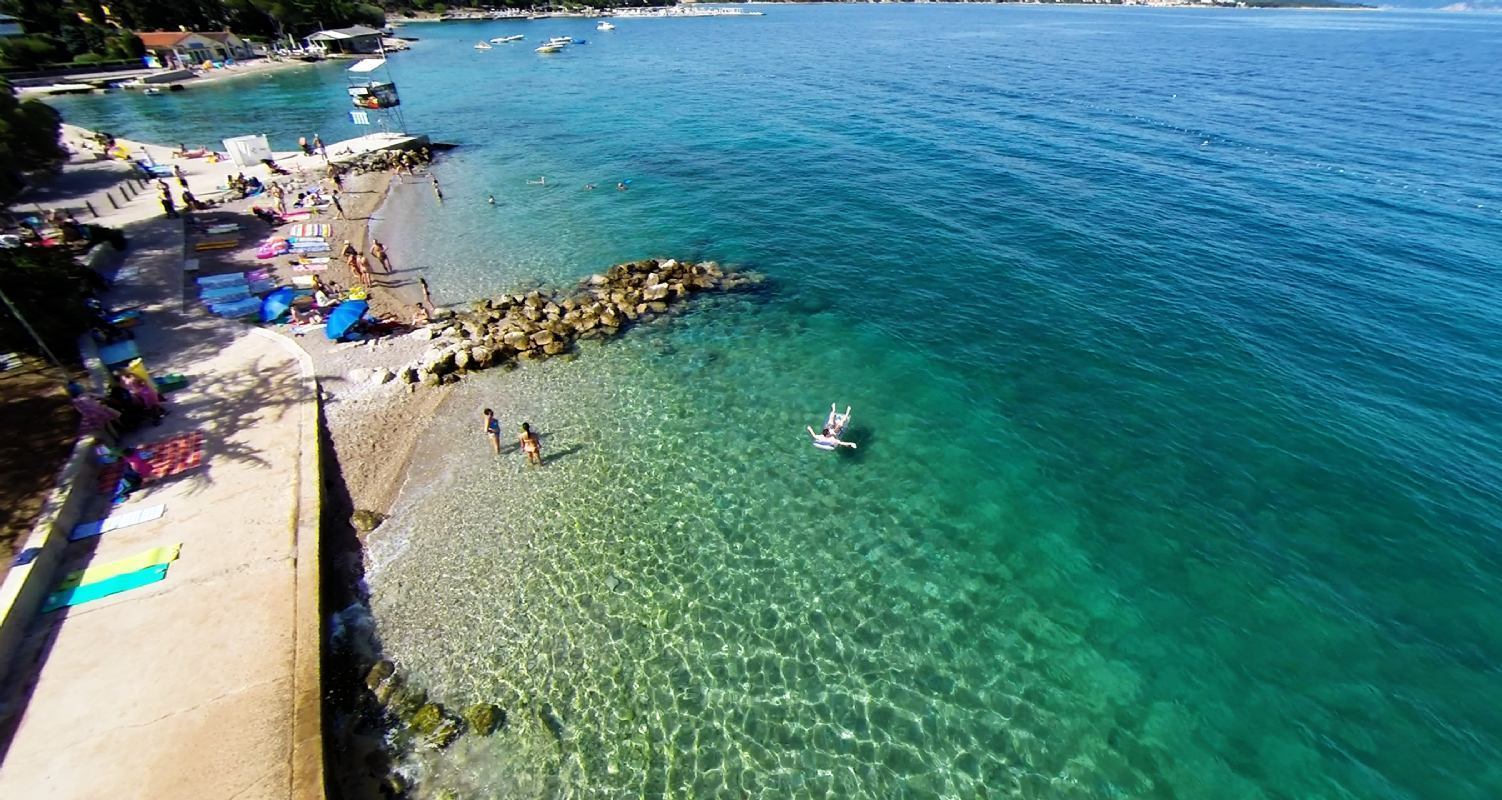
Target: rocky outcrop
x,y
539,324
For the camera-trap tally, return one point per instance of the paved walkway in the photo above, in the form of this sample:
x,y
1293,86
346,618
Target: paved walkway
x,y
204,685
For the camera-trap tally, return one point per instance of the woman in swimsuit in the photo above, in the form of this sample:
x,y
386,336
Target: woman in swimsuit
x,y
493,430
531,447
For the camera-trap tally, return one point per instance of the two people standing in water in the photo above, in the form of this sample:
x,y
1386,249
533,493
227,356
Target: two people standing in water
x,y
531,446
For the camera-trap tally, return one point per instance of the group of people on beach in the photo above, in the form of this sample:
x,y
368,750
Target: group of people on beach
x,y
529,443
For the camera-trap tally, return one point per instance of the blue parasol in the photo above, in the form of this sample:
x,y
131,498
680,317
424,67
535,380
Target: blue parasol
x,y
277,303
344,317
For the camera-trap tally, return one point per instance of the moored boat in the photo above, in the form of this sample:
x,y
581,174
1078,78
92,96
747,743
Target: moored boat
x,y
481,46
604,26
505,39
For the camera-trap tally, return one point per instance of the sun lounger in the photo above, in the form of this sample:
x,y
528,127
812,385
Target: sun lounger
x,y
225,294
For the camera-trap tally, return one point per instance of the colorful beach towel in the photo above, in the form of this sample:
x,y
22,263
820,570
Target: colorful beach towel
x,y
116,521
95,591
220,244
156,556
168,457
310,230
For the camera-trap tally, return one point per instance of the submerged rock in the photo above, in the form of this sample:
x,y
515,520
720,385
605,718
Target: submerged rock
x,y
405,701
484,718
378,674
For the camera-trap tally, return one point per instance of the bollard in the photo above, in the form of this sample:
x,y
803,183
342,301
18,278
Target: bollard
x,y
111,196
92,210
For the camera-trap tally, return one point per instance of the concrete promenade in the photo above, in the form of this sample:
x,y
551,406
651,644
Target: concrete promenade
x,y
205,684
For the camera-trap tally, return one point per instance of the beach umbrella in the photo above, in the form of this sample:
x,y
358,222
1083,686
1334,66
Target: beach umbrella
x,y
277,303
344,317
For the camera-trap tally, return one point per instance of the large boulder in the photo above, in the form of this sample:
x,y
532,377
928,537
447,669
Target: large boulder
x,y
461,359
554,347
655,291
516,340
480,356
543,338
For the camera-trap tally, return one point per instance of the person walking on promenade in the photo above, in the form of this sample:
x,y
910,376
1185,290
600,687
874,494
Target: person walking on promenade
x,y
531,446
493,431
348,253
318,145
379,251
169,207
338,209
362,269
302,144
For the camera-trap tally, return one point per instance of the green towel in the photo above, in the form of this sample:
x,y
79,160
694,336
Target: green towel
x,y
94,591
103,572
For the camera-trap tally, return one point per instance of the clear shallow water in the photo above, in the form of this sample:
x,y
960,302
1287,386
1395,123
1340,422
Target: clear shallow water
x,y
1171,341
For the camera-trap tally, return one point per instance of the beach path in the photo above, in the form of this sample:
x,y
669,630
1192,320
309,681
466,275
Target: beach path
x,y
206,683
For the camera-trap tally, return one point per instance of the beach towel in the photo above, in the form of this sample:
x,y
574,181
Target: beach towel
x,y
240,308
156,556
210,281
303,214
224,294
262,286
168,457
303,281
95,591
310,230
297,240
223,227
116,521
254,275
215,244
119,352
311,265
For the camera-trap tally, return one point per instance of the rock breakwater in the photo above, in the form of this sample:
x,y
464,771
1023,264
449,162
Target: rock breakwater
x,y
540,324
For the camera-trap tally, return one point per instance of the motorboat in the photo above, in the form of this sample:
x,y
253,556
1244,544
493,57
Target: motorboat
x,y
482,46
505,39
561,41
549,48
604,26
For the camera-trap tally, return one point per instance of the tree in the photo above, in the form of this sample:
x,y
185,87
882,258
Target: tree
x,y
30,142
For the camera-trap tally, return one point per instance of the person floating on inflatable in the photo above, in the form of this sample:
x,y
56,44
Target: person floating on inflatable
x,y
829,437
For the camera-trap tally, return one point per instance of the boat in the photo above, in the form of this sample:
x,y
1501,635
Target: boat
x,y
481,46
561,41
604,26
505,39
549,48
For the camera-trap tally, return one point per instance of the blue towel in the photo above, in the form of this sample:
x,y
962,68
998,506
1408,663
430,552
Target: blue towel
x,y
119,352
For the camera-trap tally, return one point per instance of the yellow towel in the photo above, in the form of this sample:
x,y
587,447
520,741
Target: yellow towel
x,y
83,577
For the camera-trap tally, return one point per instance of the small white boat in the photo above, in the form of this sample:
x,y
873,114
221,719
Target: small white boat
x,y
549,48
505,39
604,26
481,46
561,41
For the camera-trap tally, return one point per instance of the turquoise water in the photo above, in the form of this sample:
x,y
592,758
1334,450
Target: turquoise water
x,y
1171,337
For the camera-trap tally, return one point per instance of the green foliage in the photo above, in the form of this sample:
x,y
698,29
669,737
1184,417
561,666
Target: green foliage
x,y
30,52
30,141
91,58
49,284
439,9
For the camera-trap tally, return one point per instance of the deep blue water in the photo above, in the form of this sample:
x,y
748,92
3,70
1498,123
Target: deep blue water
x,y
1172,338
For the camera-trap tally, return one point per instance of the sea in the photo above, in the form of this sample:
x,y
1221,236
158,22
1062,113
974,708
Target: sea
x,y
1171,343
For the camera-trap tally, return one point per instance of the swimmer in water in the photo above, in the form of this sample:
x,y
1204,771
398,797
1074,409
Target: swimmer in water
x,y
492,199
